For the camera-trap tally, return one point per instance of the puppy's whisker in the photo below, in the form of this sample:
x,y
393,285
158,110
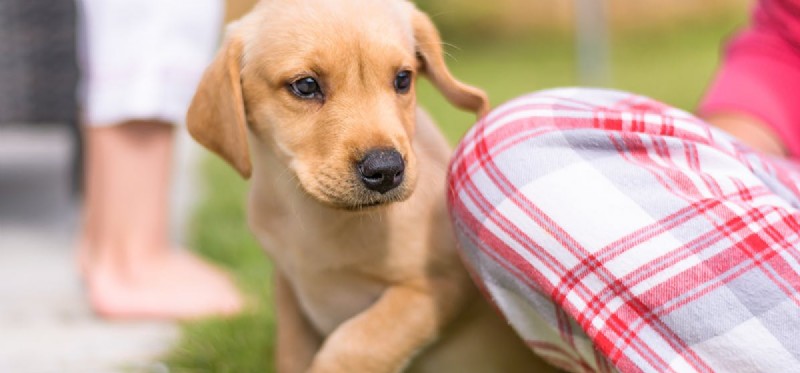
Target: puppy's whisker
x,y
451,45
440,13
444,50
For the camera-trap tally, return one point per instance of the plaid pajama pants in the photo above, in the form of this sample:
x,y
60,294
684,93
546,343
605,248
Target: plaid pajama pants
x,y
617,233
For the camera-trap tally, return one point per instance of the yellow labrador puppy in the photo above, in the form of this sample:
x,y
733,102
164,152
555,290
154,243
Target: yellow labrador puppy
x,y
314,102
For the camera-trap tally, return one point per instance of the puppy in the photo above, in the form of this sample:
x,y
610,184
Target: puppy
x,y
314,102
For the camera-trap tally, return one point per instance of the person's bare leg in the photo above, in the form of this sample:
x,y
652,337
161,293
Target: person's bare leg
x,y
750,131
125,255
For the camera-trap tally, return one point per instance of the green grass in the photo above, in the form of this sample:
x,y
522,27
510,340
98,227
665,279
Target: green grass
x,y
244,343
673,65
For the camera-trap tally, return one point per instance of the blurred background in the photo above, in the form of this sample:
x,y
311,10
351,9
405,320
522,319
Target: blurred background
x,y
666,49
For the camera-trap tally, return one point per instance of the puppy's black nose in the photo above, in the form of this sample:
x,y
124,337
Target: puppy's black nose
x,y
382,170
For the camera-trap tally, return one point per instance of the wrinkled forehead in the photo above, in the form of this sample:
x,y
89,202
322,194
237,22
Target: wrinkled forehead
x,y
282,30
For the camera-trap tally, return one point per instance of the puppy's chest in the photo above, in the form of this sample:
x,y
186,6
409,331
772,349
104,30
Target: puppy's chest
x,y
330,299
337,273
332,283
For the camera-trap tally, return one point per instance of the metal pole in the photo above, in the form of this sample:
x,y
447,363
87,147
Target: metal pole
x,y
592,43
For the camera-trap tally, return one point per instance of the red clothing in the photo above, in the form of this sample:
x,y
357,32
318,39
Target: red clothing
x,y
781,17
760,74
616,233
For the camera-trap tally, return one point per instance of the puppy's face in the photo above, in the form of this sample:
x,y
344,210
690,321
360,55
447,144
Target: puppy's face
x,y
329,87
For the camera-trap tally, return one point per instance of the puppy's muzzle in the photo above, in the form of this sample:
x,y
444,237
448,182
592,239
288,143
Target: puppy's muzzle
x,y
381,170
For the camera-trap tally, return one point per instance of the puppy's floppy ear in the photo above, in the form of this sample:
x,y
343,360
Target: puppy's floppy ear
x,y
430,53
216,116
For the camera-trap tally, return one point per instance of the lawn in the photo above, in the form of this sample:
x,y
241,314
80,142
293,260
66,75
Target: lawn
x,y
671,64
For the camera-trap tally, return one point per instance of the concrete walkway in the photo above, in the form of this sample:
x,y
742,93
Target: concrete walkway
x,y
45,324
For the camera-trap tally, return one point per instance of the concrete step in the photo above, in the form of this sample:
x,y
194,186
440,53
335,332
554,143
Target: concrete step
x,y
45,322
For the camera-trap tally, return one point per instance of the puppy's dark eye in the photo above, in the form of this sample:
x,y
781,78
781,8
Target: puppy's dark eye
x,y
306,88
402,82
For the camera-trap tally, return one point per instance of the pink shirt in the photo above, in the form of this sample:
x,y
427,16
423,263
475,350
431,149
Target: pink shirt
x,y
781,17
760,74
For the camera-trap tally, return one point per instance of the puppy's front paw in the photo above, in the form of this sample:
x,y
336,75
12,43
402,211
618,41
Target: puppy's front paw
x,y
344,364
319,366
326,363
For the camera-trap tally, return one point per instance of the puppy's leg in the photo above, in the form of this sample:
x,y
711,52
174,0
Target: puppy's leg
x,y
297,342
386,336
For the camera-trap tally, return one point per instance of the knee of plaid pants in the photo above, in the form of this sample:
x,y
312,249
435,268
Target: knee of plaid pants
x,y
615,232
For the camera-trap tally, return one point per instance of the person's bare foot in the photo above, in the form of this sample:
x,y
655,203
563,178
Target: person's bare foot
x,y
124,253
175,286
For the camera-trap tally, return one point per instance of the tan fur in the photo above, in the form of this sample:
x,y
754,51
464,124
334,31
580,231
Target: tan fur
x,y
358,289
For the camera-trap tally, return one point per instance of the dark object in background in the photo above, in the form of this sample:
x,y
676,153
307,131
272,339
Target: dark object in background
x,y
38,70
38,66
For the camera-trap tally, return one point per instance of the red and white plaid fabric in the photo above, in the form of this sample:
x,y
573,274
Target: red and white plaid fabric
x,y
617,233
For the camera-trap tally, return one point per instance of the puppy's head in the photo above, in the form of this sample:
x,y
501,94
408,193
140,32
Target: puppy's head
x,y
328,86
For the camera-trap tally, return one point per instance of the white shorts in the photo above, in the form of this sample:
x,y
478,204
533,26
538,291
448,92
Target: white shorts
x,y
142,59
